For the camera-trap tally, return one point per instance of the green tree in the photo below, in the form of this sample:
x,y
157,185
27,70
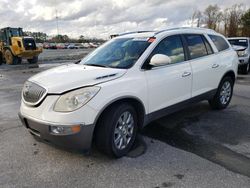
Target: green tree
x,y
245,21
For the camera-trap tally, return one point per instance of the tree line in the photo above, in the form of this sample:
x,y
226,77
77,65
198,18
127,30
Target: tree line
x,y
231,22
41,37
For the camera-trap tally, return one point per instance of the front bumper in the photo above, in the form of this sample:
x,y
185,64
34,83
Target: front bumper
x,y
30,53
243,60
78,141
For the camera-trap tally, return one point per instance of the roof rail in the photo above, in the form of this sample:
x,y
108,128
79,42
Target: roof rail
x,y
134,32
176,28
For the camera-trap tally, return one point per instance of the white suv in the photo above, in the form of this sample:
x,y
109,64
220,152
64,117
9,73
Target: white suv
x,y
242,46
126,83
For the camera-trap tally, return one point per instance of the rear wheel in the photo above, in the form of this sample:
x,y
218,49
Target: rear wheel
x,y
116,131
223,95
1,58
33,60
245,68
10,59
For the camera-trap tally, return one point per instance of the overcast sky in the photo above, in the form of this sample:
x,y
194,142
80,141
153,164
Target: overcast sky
x,y
101,18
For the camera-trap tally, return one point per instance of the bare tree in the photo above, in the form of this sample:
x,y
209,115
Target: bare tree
x,y
196,19
235,14
226,20
212,16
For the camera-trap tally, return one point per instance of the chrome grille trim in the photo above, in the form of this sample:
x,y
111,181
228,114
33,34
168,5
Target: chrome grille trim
x,y
32,93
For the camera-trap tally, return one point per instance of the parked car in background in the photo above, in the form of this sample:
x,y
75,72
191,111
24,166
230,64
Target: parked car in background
x,y
127,83
71,46
86,45
60,46
46,45
242,46
79,46
92,45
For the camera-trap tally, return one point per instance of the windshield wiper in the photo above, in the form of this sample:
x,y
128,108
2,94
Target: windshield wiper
x,y
97,65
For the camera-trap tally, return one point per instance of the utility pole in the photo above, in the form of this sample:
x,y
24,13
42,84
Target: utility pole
x,y
57,24
56,19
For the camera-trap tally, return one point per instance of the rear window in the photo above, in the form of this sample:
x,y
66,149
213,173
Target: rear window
x,y
196,46
238,42
219,42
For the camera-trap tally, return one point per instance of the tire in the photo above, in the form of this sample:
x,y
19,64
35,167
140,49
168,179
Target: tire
x,y
223,95
113,136
33,60
1,58
245,68
19,60
10,59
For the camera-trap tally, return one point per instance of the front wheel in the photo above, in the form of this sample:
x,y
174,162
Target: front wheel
x,y
33,60
223,95
245,68
1,58
117,129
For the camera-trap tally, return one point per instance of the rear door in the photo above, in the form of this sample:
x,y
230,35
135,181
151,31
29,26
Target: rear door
x,y
205,65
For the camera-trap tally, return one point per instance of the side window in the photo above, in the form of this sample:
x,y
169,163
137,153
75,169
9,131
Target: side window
x,y
219,42
172,47
208,47
196,46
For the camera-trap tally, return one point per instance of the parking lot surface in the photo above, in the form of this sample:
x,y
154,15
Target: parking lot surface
x,y
195,147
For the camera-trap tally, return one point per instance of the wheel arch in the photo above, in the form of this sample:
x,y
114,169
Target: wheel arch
x,y
229,73
9,48
134,101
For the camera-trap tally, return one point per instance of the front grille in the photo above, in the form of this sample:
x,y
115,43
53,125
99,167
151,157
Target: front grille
x,y
33,93
29,44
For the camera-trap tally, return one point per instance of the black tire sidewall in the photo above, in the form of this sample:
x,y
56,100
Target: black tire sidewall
x,y
105,135
245,67
33,60
1,58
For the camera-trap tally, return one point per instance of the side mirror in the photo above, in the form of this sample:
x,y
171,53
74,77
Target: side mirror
x,y
160,60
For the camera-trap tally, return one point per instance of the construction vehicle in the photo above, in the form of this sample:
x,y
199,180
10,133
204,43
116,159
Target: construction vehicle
x,y
14,47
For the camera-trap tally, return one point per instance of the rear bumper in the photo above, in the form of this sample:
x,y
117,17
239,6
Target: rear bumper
x,y
78,141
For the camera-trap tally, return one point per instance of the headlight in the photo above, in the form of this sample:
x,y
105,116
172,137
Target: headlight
x,y
242,53
75,99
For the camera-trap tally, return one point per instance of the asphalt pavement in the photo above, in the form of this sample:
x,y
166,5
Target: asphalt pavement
x,y
195,147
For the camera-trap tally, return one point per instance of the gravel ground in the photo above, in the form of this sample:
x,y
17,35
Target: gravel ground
x,y
196,147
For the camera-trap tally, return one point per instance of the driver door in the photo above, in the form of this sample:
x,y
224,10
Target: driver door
x,y
171,83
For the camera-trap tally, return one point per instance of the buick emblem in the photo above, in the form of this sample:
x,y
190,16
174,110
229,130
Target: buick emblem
x,y
26,89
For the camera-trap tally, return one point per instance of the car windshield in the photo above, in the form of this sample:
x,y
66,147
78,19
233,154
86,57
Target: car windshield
x,y
238,42
14,32
117,53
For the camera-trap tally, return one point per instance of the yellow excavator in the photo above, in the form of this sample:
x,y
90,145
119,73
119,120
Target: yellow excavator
x,y
14,47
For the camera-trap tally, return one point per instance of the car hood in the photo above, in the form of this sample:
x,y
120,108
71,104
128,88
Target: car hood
x,y
238,48
67,77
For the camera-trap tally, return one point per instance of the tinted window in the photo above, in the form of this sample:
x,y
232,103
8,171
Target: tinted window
x,y
196,46
219,42
238,42
172,47
208,47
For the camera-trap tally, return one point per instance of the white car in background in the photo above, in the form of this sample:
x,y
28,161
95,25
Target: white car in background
x,y
127,83
242,46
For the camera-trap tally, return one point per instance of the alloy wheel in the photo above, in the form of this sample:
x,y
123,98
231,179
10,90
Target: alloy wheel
x,y
225,93
124,130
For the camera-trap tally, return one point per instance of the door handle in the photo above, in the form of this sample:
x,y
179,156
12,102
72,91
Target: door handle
x,y
185,74
215,66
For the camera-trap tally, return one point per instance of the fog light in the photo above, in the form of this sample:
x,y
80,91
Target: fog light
x,y
65,130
